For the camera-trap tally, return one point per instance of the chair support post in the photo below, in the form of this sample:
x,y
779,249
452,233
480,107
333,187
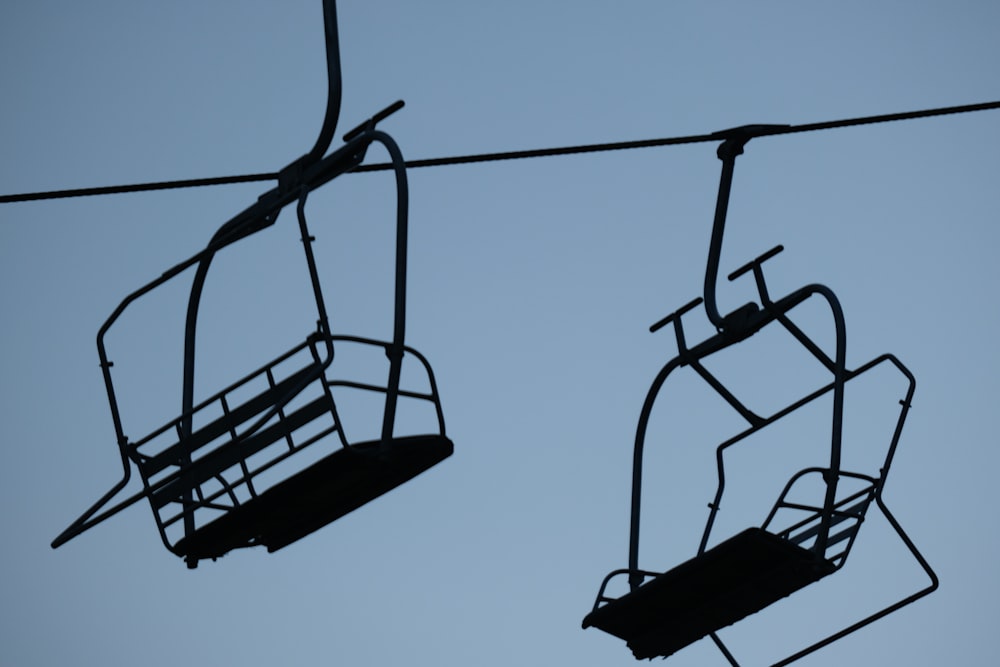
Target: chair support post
x,y
728,151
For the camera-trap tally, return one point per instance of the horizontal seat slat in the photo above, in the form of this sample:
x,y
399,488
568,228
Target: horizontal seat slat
x,y
175,454
853,512
233,452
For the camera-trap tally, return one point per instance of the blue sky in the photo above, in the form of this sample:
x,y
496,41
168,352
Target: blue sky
x,y
532,284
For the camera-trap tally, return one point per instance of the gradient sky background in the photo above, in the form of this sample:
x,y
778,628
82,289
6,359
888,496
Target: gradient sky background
x,y
532,284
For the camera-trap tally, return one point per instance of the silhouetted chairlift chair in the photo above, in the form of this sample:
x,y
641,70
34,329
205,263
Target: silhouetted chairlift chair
x,y
664,612
205,484
240,478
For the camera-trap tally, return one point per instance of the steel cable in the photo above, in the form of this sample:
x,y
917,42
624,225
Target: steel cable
x,y
760,131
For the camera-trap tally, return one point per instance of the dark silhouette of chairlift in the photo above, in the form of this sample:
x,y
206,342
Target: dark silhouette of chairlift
x,y
207,485
663,612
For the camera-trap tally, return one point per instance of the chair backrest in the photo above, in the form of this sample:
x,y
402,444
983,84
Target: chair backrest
x,y
808,518
219,465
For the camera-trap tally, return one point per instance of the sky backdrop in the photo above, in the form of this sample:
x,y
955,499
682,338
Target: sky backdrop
x,y
532,286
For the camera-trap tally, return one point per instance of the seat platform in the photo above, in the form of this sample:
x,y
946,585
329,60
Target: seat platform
x,y
734,579
325,491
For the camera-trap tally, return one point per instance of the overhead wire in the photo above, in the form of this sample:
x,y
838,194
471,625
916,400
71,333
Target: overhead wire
x,y
772,130
137,187
756,131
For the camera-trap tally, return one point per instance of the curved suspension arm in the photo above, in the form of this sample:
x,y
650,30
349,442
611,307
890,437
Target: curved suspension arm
x,y
727,152
734,140
334,85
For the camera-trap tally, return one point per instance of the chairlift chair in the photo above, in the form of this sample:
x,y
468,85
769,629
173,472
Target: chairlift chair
x,y
663,612
206,481
212,488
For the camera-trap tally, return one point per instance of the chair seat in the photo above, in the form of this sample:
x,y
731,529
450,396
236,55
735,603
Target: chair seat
x,y
325,491
734,579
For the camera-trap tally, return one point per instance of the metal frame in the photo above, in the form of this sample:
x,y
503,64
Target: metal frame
x,y
732,329
295,182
